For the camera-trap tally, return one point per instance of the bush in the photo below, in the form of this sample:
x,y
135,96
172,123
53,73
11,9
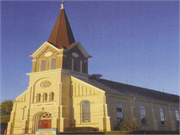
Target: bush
x,y
129,126
80,129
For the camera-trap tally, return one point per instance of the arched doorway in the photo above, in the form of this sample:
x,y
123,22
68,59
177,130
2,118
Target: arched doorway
x,y
45,121
42,120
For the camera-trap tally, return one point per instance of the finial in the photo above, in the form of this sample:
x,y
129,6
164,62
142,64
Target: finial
x,y
62,5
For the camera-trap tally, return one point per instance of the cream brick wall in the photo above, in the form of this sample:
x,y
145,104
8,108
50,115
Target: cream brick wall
x,y
131,112
24,120
83,91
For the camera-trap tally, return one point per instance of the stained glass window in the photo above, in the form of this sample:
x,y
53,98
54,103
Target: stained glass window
x,y
119,113
85,111
162,118
143,115
46,116
177,117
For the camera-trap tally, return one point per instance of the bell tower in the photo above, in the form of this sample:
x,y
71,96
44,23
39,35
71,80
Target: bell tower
x,y
61,51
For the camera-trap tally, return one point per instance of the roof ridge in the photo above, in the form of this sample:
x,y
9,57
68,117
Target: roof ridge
x,y
135,86
132,91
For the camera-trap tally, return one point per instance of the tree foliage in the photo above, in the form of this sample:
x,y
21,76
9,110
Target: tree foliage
x,y
129,126
6,108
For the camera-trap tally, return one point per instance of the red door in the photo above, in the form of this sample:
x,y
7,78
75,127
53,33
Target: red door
x,y
46,123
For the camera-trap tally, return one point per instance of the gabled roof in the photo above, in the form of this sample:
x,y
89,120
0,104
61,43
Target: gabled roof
x,y
129,90
43,46
61,35
81,48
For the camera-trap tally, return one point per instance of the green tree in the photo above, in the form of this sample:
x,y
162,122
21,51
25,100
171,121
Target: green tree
x,y
6,108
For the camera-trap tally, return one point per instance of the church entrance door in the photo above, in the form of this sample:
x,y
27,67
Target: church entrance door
x,y
46,123
42,120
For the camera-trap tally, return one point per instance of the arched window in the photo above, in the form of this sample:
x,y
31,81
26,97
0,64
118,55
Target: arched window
x,y
177,117
53,63
42,65
38,97
51,96
45,97
85,108
162,118
119,113
46,116
143,115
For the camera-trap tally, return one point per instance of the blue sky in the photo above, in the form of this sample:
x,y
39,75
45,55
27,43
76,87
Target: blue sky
x,y
131,42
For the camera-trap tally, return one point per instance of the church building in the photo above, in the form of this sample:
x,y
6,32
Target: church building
x,y
62,94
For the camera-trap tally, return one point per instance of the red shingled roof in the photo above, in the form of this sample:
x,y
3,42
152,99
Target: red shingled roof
x,y
61,35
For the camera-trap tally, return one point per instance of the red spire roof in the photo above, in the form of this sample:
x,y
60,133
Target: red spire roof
x,y
61,35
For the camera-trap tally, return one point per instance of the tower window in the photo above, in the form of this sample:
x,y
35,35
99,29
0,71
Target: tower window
x,y
51,96
45,97
119,113
162,118
143,115
38,97
53,63
68,63
84,67
42,65
85,108
76,65
81,66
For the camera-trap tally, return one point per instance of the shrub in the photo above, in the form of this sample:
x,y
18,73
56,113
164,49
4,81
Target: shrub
x,y
129,126
80,129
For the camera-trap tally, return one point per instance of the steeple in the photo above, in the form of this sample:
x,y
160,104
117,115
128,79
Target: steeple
x,y
61,35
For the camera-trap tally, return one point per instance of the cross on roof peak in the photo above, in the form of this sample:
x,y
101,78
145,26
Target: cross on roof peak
x,y
62,4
